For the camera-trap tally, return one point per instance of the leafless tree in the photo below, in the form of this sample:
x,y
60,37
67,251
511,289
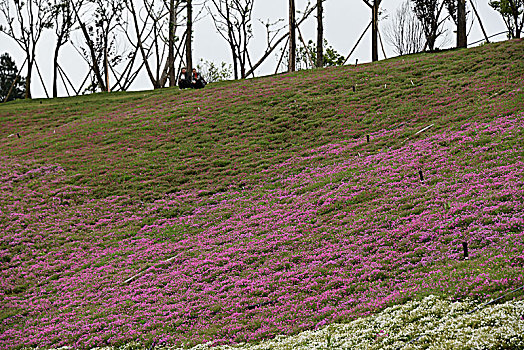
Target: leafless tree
x,y
404,31
232,19
155,29
64,19
101,25
26,20
273,42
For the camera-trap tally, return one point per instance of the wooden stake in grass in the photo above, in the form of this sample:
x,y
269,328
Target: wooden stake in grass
x,y
465,248
421,175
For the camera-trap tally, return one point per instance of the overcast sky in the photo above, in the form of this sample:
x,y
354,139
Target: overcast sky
x,y
344,21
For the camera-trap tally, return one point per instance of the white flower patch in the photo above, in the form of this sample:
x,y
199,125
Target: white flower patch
x,y
432,324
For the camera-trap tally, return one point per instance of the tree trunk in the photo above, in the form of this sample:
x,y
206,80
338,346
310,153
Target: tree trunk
x,y
480,22
55,69
374,31
231,42
292,37
462,40
235,61
106,63
28,78
516,19
189,36
320,34
171,43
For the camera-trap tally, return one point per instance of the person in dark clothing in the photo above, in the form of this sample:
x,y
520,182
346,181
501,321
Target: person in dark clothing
x,y
197,81
184,79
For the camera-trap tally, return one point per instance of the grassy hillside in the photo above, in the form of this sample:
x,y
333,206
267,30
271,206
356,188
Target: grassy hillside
x,y
257,208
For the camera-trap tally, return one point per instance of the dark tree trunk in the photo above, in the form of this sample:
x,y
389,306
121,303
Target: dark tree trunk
x,y
292,37
235,62
171,43
106,63
231,42
28,78
516,13
374,31
480,22
320,34
55,69
462,40
189,36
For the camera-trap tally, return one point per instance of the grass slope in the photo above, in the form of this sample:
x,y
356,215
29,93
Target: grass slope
x,y
257,208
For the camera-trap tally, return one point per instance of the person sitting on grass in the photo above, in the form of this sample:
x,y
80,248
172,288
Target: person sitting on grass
x,y
184,79
197,81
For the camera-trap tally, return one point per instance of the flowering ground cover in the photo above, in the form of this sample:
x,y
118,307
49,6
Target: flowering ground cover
x,y
258,208
432,324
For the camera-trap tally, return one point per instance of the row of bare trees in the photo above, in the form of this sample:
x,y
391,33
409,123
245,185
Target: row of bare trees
x,y
119,38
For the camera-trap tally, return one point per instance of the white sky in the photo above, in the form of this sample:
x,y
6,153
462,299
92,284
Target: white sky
x,y
344,21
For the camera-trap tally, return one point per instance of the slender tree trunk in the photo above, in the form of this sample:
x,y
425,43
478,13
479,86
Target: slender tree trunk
x,y
106,64
235,61
189,37
55,68
28,77
231,42
480,22
462,39
516,19
320,34
292,37
374,31
171,43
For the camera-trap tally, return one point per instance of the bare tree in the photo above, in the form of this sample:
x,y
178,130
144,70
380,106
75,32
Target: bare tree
x,y
273,42
404,31
292,37
26,20
429,13
101,50
320,34
232,19
374,5
64,19
155,32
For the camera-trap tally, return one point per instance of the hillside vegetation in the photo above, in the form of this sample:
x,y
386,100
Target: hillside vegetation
x,y
258,208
